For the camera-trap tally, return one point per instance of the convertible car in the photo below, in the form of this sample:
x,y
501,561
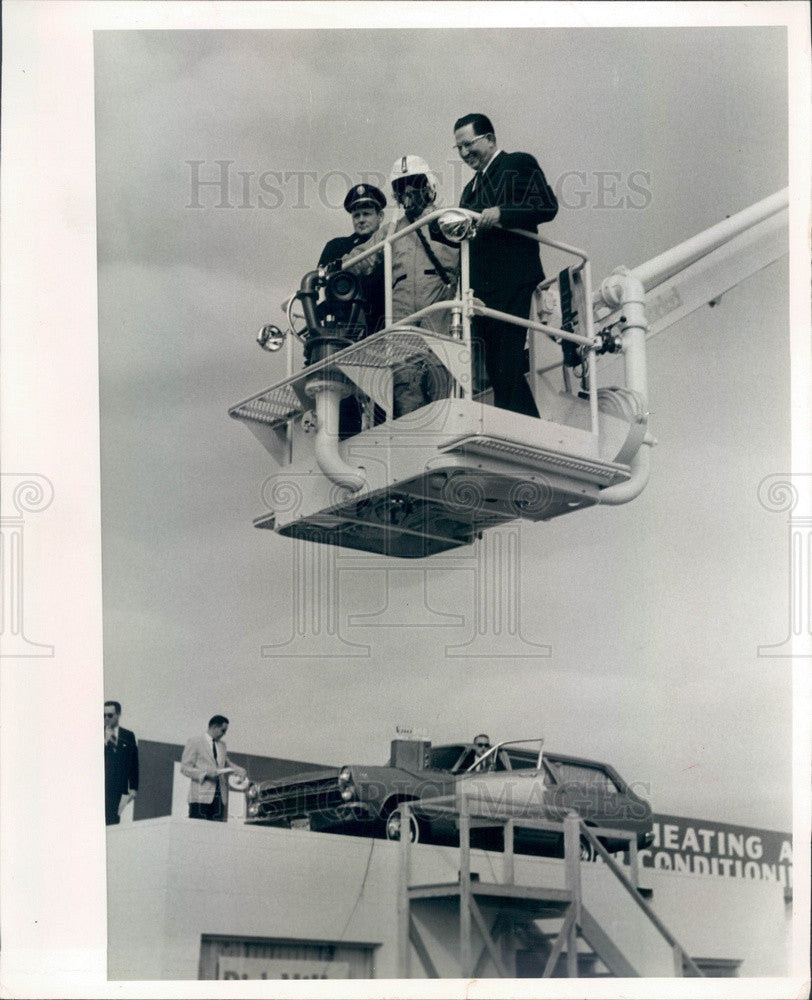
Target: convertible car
x,y
512,777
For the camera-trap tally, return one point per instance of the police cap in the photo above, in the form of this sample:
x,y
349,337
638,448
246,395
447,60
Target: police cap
x,y
365,194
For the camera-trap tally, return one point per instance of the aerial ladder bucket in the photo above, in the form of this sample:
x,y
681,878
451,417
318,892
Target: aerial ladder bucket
x,y
418,483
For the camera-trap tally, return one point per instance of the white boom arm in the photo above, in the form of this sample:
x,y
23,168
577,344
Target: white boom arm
x,y
654,295
702,268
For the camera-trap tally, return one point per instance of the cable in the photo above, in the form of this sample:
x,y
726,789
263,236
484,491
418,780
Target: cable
x,y
360,891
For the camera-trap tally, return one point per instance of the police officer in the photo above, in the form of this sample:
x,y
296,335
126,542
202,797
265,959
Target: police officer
x,y
365,203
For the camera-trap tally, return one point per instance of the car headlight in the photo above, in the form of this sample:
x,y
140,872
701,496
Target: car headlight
x,y
252,792
253,809
345,785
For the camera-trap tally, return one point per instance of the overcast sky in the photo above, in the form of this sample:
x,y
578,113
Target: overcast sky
x,y
653,611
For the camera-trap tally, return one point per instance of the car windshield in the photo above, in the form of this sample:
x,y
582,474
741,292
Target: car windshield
x,y
447,758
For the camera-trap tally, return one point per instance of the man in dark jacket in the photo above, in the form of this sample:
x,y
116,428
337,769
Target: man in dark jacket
x,y
365,203
120,764
511,192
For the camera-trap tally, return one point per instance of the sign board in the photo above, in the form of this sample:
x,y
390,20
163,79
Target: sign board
x,y
702,847
229,967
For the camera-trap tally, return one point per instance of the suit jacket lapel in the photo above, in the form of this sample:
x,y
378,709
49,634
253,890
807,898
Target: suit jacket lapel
x,y
483,195
489,181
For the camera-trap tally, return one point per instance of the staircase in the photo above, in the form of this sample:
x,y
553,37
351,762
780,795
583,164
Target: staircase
x,y
597,925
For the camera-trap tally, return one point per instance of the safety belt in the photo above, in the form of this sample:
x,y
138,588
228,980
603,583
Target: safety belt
x,y
441,271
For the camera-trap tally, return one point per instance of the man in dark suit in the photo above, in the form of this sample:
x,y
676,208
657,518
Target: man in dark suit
x,y
120,764
511,192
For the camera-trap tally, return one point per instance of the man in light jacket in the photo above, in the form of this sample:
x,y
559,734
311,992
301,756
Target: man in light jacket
x,y
205,760
425,268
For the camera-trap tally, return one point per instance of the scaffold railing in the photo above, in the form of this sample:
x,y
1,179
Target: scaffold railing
x,y
568,902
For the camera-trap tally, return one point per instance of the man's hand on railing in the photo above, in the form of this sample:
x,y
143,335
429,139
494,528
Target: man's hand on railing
x,y
489,218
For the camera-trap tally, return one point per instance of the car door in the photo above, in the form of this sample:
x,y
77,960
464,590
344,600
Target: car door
x,y
589,790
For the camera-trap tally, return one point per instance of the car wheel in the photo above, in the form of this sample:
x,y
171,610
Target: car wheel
x,y
393,826
588,852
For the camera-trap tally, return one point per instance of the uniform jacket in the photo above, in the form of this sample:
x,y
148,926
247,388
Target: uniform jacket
x,y
198,760
371,282
335,249
121,764
416,282
501,261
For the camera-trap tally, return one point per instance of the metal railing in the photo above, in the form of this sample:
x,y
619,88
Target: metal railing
x,y
682,959
467,306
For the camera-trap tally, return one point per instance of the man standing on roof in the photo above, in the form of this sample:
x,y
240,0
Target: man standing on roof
x,y
424,271
205,760
511,192
365,203
120,764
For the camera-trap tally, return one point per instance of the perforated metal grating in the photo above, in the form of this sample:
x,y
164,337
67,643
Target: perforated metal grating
x,y
387,350
271,407
602,472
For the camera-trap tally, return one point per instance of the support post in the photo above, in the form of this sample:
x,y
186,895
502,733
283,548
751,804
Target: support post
x,y
465,889
465,295
404,942
507,854
634,864
624,290
589,323
572,867
387,283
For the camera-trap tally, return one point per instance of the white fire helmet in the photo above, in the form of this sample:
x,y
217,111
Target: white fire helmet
x,y
413,166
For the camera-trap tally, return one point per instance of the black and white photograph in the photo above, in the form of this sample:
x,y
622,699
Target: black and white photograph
x,y
406,410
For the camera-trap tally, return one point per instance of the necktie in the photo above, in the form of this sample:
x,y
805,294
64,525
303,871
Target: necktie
x,y
214,751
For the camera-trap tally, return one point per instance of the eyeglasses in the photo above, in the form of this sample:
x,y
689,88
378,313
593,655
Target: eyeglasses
x,y
463,147
109,715
482,746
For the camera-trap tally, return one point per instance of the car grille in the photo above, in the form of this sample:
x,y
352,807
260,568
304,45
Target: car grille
x,y
302,799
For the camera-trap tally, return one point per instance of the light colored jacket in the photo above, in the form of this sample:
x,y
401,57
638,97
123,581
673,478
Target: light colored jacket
x,y
415,281
198,763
